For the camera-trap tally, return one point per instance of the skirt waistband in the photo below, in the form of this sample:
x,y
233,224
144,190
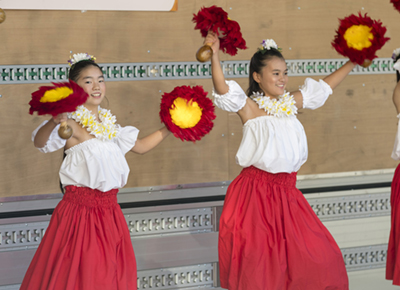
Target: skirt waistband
x,y
284,179
90,197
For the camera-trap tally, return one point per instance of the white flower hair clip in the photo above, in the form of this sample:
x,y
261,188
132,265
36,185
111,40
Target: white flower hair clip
x,y
267,44
77,57
396,53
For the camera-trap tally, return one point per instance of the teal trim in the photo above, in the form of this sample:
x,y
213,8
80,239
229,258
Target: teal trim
x,y
22,74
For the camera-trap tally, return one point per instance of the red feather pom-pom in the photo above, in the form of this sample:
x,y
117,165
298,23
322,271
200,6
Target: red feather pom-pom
x,y
57,99
197,96
215,19
377,30
396,4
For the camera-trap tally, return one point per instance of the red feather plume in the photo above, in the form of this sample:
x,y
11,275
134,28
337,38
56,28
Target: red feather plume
x,y
396,4
358,56
195,94
68,104
215,19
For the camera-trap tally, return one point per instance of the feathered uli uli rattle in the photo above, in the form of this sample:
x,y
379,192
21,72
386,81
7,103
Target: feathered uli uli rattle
x,y
187,112
359,37
215,19
57,99
61,97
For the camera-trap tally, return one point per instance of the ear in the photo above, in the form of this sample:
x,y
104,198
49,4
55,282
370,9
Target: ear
x,y
257,77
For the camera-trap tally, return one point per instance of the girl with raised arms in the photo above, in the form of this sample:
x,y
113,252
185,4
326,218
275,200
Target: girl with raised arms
x,y
269,236
87,244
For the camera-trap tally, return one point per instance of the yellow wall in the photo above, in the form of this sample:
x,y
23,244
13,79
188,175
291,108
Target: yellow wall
x,y
354,131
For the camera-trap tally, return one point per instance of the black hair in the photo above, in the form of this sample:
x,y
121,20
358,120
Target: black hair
x,y
77,68
61,186
397,72
257,62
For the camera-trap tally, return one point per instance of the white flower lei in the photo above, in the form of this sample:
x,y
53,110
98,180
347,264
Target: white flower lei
x,y
285,105
106,130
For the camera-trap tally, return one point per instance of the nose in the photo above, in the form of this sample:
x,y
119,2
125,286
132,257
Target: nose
x,y
96,85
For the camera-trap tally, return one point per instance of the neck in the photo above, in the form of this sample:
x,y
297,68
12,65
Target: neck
x,y
94,110
269,96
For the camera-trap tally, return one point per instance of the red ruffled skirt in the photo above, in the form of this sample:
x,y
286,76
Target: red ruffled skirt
x,y
393,253
87,246
271,239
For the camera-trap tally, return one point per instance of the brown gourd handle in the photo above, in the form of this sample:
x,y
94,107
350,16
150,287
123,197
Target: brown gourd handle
x,y
366,63
65,131
204,53
2,16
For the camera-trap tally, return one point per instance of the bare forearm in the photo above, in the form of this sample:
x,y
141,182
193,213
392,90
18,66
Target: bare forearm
x,y
44,133
218,78
147,143
335,78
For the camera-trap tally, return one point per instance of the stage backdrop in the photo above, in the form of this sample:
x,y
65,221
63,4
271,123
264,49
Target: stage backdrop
x,y
355,130
128,5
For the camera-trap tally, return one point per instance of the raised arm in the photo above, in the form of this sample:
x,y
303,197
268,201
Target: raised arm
x,y
147,143
42,136
335,78
332,80
218,78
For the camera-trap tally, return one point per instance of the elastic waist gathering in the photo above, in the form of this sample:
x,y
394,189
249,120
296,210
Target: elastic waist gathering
x,y
283,179
90,197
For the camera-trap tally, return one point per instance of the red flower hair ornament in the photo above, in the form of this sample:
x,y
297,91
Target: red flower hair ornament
x,y
187,112
359,37
57,99
215,19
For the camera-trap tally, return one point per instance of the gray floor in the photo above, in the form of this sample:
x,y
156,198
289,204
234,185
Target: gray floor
x,y
370,280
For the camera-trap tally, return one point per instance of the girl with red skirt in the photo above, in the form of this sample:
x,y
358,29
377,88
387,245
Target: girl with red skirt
x,y
393,253
269,237
87,245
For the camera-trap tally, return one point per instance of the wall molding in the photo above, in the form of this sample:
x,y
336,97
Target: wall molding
x,y
46,73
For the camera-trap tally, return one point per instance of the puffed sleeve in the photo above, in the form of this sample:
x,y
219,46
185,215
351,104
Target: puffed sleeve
x,y
126,138
396,147
54,143
233,101
315,93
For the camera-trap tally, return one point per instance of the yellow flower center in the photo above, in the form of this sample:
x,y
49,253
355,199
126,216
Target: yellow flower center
x,y
359,37
185,114
55,95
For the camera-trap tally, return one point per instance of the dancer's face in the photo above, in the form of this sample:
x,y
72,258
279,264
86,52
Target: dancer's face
x,y
273,77
91,79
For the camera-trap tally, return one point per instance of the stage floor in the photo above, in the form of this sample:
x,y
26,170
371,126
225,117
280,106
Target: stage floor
x,y
370,280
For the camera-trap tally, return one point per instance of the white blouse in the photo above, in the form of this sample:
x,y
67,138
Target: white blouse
x,y
273,144
396,147
94,163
